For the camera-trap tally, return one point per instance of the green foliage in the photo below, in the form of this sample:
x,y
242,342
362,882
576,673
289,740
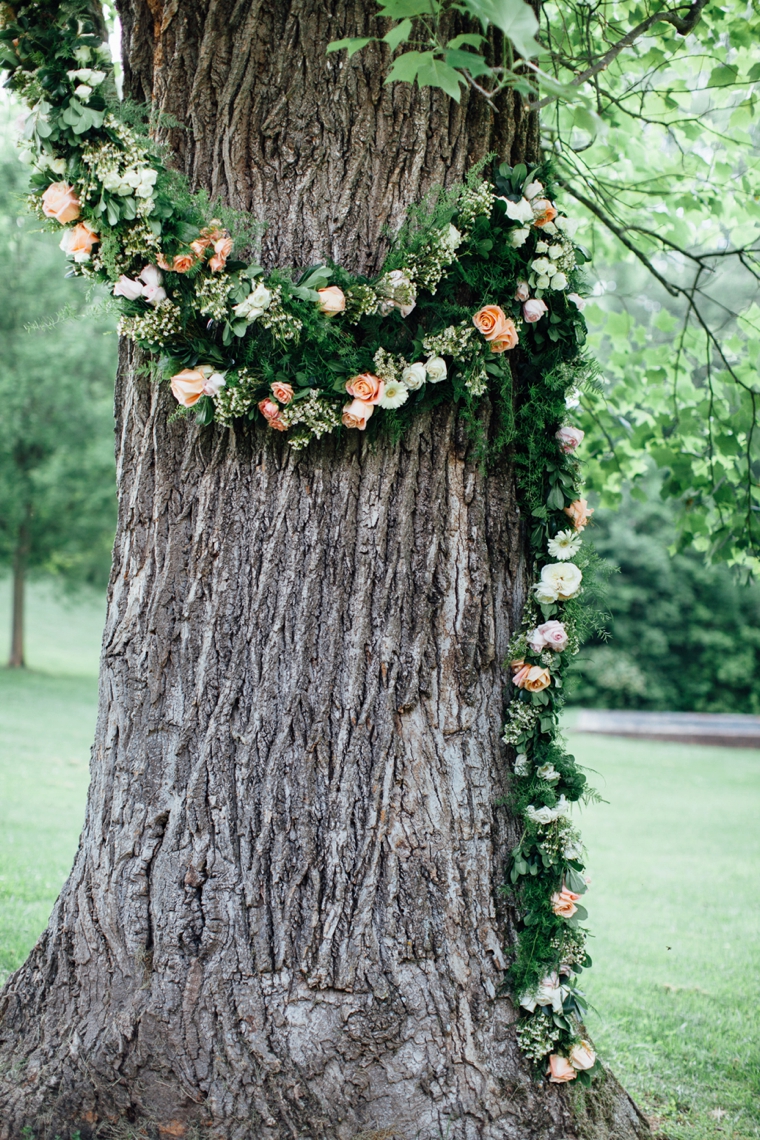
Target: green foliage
x,y
683,635
56,448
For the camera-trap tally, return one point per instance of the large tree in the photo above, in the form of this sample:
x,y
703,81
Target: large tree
x,y
284,916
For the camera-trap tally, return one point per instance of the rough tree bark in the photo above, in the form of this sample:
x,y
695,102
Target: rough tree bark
x,y
282,920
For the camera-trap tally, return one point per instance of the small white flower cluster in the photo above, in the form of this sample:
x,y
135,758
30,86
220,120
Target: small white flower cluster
x,y
458,341
317,414
282,324
156,327
396,290
522,717
427,267
361,301
235,399
537,1036
122,170
212,294
477,380
389,367
476,201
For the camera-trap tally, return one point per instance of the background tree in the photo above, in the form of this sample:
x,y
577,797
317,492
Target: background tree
x,y
57,502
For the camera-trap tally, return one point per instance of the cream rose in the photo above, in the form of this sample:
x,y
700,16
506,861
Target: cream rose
x,y
356,414
563,579
60,202
332,300
366,387
436,369
414,376
582,1056
519,237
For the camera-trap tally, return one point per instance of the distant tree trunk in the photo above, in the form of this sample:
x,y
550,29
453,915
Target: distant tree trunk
x,y
283,919
20,560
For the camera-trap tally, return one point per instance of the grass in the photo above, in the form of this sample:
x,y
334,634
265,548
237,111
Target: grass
x,y
673,861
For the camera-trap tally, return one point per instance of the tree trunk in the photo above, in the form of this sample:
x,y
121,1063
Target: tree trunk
x,y
283,917
20,559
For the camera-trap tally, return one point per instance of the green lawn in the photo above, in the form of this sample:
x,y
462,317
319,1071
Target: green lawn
x,y
673,900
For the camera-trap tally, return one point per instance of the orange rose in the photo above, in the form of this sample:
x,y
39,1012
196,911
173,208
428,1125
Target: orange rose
x,y
508,339
222,250
563,902
187,386
560,1070
537,679
366,387
492,322
579,512
271,413
60,202
543,211
332,300
356,414
79,240
282,392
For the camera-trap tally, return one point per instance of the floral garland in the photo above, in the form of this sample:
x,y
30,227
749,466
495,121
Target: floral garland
x,y
487,270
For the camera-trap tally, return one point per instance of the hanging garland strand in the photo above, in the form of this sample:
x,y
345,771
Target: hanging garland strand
x,y
478,293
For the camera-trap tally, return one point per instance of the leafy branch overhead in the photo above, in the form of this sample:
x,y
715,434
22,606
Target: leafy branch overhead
x,y
649,117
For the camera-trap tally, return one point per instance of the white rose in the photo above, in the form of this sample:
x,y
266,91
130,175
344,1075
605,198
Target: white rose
x,y
564,578
532,190
82,54
543,282
547,772
57,165
549,228
544,594
255,303
414,376
542,265
545,815
96,77
83,92
559,281
542,247
549,992
555,251
453,238
436,369
519,237
82,74
214,384
518,211
566,225
522,764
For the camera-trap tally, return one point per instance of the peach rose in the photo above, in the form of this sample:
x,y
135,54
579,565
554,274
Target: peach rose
x,y
492,322
332,300
180,263
507,340
79,240
521,673
560,1070
222,250
366,387
60,202
537,679
282,392
356,414
563,902
543,212
271,413
187,386
579,512
582,1056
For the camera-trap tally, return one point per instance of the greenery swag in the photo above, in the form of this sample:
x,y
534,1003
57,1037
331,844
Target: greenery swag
x,y
475,296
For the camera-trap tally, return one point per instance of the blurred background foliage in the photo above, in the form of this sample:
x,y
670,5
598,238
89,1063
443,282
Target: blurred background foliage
x,y
57,474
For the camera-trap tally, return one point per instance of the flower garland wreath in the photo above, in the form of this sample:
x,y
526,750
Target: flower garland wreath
x,y
476,294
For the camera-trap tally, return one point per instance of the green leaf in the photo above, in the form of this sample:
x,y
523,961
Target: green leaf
x,y
472,40
555,499
723,76
398,35
475,64
754,73
575,882
513,17
352,45
399,9
406,66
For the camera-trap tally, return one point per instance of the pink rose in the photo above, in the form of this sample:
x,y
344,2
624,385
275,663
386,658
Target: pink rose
x,y
568,438
534,309
332,300
582,1056
282,392
523,292
366,387
271,413
60,202
356,414
550,635
577,301
126,287
560,1070
563,903
153,293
